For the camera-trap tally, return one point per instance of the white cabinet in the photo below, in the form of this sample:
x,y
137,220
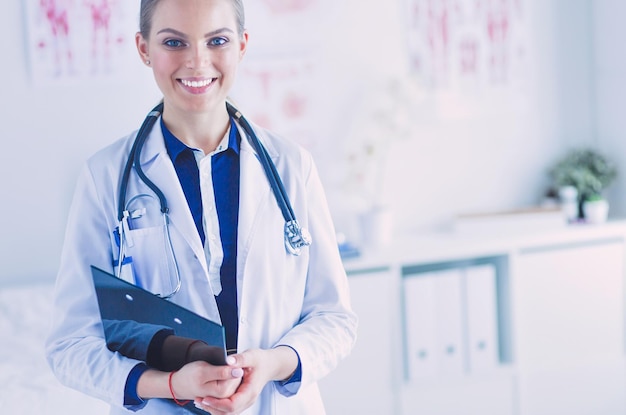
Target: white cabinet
x,y
528,324
568,308
366,382
492,394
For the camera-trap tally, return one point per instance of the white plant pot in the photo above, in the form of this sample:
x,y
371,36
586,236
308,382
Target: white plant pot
x,y
596,211
377,227
569,201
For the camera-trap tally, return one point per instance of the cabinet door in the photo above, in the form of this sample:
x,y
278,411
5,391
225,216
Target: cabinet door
x,y
568,311
364,382
485,394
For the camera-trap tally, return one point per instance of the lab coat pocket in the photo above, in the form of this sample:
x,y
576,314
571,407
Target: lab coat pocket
x,y
153,263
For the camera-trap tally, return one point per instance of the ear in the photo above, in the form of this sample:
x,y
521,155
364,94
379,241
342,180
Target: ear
x,y
243,44
142,48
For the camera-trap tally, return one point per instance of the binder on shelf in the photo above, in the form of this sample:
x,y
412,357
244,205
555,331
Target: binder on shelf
x,y
420,326
482,318
449,320
433,324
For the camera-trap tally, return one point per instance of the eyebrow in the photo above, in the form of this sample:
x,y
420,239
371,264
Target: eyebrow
x,y
181,34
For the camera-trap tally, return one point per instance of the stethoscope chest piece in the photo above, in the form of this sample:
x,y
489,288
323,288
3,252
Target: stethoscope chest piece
x,y
296,237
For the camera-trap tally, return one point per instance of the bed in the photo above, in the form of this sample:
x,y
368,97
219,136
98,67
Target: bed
x,y
27,385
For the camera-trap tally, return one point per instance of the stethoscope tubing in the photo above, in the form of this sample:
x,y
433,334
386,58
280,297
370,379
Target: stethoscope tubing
x,y
273,177
295,236
276,183
133,158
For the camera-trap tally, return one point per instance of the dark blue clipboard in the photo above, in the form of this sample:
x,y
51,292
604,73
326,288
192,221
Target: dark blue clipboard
x,y
121,301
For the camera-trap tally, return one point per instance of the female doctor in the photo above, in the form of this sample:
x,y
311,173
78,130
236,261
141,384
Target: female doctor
x,y
221,253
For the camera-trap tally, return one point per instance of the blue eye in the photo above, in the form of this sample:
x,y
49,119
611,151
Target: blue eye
x,y
173,43
218,41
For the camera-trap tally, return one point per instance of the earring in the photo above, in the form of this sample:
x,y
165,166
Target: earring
x,y
147,61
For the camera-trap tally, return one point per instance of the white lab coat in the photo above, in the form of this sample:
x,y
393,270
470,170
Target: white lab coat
x,y
299,301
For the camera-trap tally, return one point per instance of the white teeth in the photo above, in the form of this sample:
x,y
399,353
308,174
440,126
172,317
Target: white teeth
x,y
196,84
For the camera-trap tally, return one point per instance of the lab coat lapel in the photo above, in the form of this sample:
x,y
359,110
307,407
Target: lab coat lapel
x,y
159,168
255,193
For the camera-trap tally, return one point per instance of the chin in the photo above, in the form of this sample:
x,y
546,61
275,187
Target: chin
x,y
199,107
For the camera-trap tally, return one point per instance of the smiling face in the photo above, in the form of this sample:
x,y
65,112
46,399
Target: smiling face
x,y
194,48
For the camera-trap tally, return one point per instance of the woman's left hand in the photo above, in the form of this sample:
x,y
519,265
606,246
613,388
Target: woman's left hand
x,y
259,367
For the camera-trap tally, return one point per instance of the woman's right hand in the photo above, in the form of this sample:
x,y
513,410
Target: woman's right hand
x,y
199,379
195,379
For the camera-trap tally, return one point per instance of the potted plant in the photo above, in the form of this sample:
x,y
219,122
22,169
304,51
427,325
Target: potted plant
x,y
595,209
590,173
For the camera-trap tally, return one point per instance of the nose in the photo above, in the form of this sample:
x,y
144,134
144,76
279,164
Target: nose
x,y
198,57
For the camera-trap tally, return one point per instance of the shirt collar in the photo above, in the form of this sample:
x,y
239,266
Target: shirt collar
x,y
174,146
233,138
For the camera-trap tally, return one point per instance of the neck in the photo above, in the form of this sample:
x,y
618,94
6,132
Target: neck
x,y
198,130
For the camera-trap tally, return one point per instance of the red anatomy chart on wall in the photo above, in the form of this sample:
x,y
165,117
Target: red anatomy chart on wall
x,y
276,83
278,94
70,40
454,42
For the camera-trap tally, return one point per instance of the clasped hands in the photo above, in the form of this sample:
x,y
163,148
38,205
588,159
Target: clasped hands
x,y
222,390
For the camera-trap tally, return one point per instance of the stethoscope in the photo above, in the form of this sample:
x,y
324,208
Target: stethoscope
x,y
296,237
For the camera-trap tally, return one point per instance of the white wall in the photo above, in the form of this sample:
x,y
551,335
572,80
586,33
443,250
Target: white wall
x,y
501,161
47,132
609,77
493,161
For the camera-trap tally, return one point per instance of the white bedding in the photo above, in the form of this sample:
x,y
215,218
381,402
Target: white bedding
x,y
27,385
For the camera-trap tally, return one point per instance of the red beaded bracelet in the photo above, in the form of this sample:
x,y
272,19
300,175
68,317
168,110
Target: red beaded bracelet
x,y
181,403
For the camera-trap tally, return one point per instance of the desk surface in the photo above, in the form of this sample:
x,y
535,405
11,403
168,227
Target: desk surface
x,y
432,247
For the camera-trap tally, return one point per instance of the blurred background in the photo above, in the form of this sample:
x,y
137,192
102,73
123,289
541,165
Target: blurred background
x,y
438,122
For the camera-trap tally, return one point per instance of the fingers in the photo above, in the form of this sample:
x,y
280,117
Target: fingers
x,y
212,409
243,398
204,372
222,408
202,379
204,408
245,365
225,386
243,360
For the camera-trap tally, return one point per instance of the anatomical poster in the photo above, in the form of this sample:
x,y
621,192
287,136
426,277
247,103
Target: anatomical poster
x,y
456,43
74,40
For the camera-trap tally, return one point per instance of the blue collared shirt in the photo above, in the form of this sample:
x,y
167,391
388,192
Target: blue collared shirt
x,y
225,182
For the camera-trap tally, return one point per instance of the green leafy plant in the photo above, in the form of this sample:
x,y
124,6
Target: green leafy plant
x,y
587,170
594,198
